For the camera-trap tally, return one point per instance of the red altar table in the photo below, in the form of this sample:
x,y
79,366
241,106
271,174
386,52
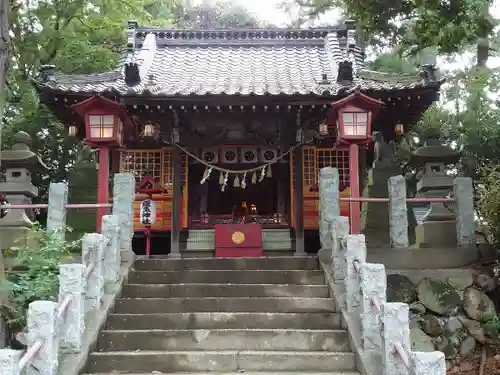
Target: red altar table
x,y
238,240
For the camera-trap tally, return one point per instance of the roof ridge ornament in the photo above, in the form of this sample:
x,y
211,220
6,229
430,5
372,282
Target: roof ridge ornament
x,y
428,73
345,73
48,73
131,68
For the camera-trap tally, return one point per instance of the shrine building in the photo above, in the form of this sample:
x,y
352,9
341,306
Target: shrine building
x,y
216,122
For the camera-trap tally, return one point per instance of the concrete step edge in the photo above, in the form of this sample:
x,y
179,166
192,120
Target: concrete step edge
x,y
237,313
228,330
226,298
317,286
215,352
227,270
232,373
235,373
263,258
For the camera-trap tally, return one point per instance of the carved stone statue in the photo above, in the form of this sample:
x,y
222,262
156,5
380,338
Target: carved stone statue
x,y
383,153
374,215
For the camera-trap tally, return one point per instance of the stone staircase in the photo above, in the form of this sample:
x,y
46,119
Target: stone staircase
x,y
226,316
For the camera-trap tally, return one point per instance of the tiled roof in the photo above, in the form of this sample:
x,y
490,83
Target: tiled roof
x,y
238,62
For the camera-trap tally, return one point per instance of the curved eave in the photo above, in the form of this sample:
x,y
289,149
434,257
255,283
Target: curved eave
x,y
325,94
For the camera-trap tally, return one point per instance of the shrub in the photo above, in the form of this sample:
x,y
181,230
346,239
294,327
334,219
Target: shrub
x,y
33,273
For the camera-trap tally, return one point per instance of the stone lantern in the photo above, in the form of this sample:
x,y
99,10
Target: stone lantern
x,y
18,164
438,228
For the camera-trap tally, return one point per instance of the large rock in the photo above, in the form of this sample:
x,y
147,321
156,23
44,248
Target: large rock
x,y
467,347
460,282
438,296
417,308
477,305
432,325
444,345
400,289
485,282
474,329
453,326
420,342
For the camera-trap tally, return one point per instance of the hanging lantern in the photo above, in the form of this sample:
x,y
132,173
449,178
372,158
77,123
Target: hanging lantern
x,y
105,120
149,130
399,129
353,116
323,129
72,131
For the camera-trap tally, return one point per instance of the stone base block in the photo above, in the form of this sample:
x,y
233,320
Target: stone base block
x,y
13,236
436,234
423,258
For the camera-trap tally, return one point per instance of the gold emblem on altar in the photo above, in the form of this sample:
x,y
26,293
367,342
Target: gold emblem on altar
x,y
238,237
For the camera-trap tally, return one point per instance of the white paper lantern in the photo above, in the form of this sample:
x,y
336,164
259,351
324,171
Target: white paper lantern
x,y
148,212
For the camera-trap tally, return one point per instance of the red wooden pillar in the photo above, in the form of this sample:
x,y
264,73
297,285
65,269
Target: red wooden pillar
x,y
102,184
355,210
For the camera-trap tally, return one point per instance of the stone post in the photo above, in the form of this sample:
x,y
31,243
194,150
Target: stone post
x,y
123,207
93,252
329,204
373,284
340,230
428,363
56,215
9,361
398,212
72,325
463,192
43,324
355,251
112,260
396,329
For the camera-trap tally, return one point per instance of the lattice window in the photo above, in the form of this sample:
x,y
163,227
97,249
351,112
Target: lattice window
x,y
309,170
142,163
337,159
167,170
355,123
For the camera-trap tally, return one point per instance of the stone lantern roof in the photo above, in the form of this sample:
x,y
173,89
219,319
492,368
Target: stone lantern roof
x,y
433,151
21,156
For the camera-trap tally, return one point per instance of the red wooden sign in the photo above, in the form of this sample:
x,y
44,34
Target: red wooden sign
x,y
238,240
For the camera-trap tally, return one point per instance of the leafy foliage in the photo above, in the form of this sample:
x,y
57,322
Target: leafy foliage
x,y
34,272
219,15
444,25
81,37
489,203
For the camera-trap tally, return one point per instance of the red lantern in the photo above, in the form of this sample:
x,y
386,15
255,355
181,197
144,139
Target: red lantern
x,y
353,116
104,121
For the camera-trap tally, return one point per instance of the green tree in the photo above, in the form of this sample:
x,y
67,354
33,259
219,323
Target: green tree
x,y
224,15
81,37
76,36
447,26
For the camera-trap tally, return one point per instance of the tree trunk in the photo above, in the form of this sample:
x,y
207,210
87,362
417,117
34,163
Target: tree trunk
x,y
4,60
482,52
4,57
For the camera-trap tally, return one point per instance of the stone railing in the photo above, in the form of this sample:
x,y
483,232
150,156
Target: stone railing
x,y
382,327
380,330
58,328
462,201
